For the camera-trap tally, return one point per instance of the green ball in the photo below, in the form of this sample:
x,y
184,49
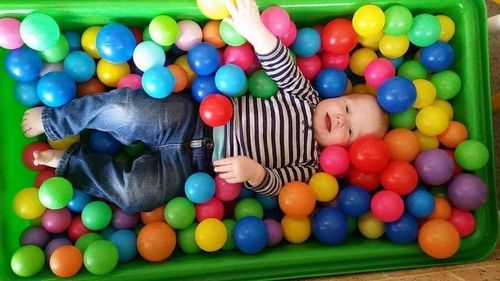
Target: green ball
x,y
101,257
135,149
85,240
248,207
412,70
147,37
55,193
261,85
471,155
96,215
398,20
352,224
439,190
230,224
27,261
180,212
404,119
56,53
187,241
164,30
230,36
447,84
39,31
425,30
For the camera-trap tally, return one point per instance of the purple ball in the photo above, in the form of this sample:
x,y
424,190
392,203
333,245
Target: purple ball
x,y
54,245
331,204
56,221
274,231
34,235
434,166
121,220
467,192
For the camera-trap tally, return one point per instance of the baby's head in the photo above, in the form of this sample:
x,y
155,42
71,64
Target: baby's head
x,y
342,120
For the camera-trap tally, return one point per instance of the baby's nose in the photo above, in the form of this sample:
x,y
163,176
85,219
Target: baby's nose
x,y
340,120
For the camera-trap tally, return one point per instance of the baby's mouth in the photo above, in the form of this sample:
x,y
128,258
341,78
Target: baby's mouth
x,y
328,123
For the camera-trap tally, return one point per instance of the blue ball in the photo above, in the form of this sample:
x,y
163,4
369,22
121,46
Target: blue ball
x,y
175,52
25,93
125,241
396,95
331,83
203,59
330,226
108,232
250,235
74,40
230,80
79,201
246,193
103,142
199,187
115,43
80,66
274,214
437,57
354,201
402,231
23,64
203,86
420,203
268,202
158,82
307,42
56,89
397,61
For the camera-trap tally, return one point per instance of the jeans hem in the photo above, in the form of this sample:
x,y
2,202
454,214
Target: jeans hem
x,y
63,163
46,126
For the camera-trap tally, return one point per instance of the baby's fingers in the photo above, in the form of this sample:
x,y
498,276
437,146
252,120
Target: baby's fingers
x,y
231,8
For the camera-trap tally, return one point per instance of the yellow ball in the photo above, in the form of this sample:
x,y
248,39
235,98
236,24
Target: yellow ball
x,y
360,89
370,226
371,90
445,106
325,186
210,235
183,63
427,142
64,143
88,41
360,59
110,73
348,89
432,121
394,46
447,28
296,230
371,41
368,20
426,93
213,9
27,205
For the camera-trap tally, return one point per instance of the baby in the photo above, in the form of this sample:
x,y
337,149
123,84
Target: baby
x,y
266,144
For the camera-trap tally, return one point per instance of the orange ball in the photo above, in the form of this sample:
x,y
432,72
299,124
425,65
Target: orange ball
x,y
442,209
183,63
66,261
403,144
453,135
180,76
211,34
91,87
154,215
297,199
156,241
439,239
457,170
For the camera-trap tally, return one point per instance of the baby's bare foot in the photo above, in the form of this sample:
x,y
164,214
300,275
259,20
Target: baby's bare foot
x,y
32,122
49,157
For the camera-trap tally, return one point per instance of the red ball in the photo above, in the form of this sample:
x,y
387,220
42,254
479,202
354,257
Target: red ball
x,y
225,191
229,208
216,110
213,208
387,206
242,56
334,160
44,175
338,37
28,155
338,61
365,180
457,170
400,177
369,154
77,229
137,34
463,221
309,66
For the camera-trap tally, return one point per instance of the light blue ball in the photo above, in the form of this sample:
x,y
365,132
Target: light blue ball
x,y
420,203
230,80
25,93
56,89
199,187
158,82
148,54
115,43
307,43
80,66
397,61
79,201
125,242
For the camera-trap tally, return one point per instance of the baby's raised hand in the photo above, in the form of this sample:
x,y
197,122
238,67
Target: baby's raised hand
x,y
239,169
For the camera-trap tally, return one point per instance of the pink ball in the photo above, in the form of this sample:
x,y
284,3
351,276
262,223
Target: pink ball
x,y
254,66
225,191
242,56
10,37
334,160
213,208
132,81
56,221
309,66
464,221
338,61
277,20
290,35
387,206
275,232
378,71
190,34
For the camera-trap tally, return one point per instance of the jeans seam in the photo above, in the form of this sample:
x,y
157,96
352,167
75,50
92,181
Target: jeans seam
x,y
63,163
46,125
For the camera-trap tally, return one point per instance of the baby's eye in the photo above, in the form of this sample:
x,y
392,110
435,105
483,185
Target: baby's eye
x,y
346,109
350,132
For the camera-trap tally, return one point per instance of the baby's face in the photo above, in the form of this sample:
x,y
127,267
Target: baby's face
x,y
342,120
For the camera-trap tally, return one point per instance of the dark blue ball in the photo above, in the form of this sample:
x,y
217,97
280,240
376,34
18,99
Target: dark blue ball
x,y
203,59
396,95
125,241
103,142
25,93
274,214
23,64
74,40
203,86
307,43
420,203
330,226
56,88
354,201
331,83
437,57
250,235
397,61
402,231
268,202
246,193
115,43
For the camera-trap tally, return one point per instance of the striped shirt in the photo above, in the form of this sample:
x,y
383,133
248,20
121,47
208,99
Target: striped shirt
x,y
277,132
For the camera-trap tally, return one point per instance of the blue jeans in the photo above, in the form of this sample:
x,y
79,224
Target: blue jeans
x,y
180,145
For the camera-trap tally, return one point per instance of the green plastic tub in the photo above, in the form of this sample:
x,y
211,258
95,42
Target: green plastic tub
x,y
472,107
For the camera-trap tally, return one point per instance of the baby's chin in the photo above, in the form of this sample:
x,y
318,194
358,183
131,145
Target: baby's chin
x,y
324,141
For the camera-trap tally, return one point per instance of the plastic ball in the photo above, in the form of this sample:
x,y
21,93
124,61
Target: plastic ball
x,y
57,52
446,107
472,155
439,239
122,220
425,30
297,199
25,93
39,31
250,235
66,261
101,257
80,66
91,87
447,28
412,70
157,214
290,35
369,154
268,202
387,206
393,46
103,142
148,54
248,207
88,41
50,67
242,56
96,215
55,193
225,191
402,231
334,160
330,226
125,242
74,40
54,245
399,176
230,80
437,57
467,192
325,186
76,229
216,110
85,240
331,83
202,87
368,20
398,20
431,121
296,229
190,34
156,241
56,89
275,232
310,66
307,43
213,9
56,221
338,37
158,82
434,166
180,78
163,30
229,224
199,187
203,59
180,213
132,81
368,181
10,37
360,59
427,142
260,85
378,71
211,34
213,208
337,61
27,205
110,73
354,201
186,239
23,64
442,209
420,203
370,226
27,261
34,235
229,35
447,83
371,42
276,20
463,221
211,235
403,144
405,119
396,95
28,158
